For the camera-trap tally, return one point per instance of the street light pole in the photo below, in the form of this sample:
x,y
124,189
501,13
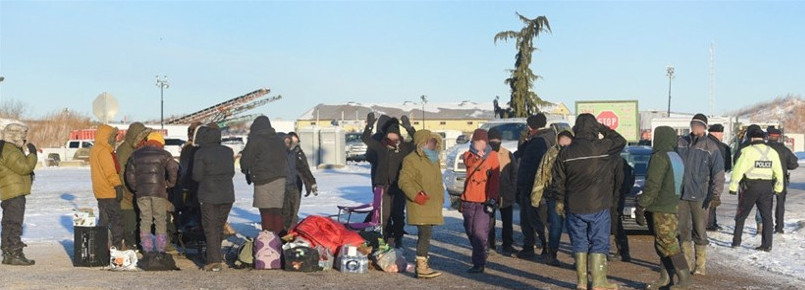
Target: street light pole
x,y
162,84
424,101
670,74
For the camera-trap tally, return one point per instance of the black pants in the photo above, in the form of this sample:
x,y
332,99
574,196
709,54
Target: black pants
x,y
393,218
111,217
531,221
13,215
779,211
616,228
290,206
507,231
213,220
759,192
424,233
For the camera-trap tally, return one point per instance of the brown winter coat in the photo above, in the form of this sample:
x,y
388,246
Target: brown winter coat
x,y
103,165
420,174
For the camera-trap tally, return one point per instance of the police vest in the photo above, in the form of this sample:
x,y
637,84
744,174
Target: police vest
x,y
758,156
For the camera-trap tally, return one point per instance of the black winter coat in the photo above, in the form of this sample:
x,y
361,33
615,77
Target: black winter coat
x,y
371,154
788,160
265,157
151,171
186,163
305,177
726,153
389,158
214,167
583,176
529,155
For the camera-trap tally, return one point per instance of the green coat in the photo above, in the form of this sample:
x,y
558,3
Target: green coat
x,y
420,174
15,172
136,133
660,193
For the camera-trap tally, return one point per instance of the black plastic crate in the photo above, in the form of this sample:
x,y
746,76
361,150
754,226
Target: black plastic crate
x,y
91,246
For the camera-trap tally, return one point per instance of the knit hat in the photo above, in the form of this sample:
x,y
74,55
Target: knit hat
x,y
494,133
716,128
537,121
156,136
699,118
756,133
480,134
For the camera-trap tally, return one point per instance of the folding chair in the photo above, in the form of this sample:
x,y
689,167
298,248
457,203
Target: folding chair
x,y
373,210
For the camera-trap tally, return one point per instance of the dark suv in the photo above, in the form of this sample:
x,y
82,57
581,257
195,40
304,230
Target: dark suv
x,y
637,157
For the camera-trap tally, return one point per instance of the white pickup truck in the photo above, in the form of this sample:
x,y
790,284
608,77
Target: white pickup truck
x,y
73,150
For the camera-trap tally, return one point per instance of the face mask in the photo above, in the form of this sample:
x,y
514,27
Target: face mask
x,y
495,145
433,155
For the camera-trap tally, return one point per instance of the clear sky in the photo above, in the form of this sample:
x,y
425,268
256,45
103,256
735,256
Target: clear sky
x,y
63,54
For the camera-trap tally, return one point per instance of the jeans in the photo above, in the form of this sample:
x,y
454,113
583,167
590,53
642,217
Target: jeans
x,y
589,233
556,225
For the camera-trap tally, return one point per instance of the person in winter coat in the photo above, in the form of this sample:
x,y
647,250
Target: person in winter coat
x,y
17,163
704,182
188,209
624,181
508,193
390,153
379,135
213,169
421,182
657,207
481,190
534,144
716,133
264,161
150,172
106,184
135,138
760,170
544,186
583,181
306,177
789,161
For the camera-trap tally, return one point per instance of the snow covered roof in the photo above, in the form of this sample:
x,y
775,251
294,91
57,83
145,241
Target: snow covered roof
x,y
465,110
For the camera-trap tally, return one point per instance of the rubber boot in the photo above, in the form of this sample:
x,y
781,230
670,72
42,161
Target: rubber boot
x,y
161,243
599,263
684,280
146,243
16,258
664,279
423,270
552,260
687,249
701,260
581,270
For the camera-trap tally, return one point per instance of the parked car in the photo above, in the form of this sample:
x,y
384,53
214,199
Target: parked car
x,y
72,150
456,172
355,148
462,139
174,146
637,157
235,142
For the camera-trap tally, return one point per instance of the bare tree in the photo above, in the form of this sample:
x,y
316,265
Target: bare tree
x,y
12,109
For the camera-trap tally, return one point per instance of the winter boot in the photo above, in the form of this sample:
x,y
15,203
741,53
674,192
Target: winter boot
x,y
162,243
701,260
581,270
476,270
599,263
16,258
551,260
623,249
687,249
682,272
423,270
664,278
146,243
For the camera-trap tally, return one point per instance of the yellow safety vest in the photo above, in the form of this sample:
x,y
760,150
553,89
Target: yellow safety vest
x,y
758,162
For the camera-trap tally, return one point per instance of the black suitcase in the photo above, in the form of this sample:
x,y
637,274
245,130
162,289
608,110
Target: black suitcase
x,y
91,246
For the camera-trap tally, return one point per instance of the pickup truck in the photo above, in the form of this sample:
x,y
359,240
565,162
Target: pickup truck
x,y
73,150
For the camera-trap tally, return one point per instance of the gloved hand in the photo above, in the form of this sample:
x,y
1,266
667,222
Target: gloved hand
x,y
315,189
248,177
370,120
640,215
31,148
733,192
119,193
560,208
421,198
405,121
716,201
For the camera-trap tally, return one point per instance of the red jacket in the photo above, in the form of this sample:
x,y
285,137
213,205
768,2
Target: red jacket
x,y
483,183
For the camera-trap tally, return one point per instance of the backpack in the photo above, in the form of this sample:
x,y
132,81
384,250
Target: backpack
x,y
267,253
301,259
544,175
157,262
245,257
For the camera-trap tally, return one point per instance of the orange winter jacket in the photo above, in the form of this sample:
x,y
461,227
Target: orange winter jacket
x,y
484,182
103,164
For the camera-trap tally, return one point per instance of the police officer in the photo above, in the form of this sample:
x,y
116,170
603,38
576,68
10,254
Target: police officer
x,y
760,169
789,162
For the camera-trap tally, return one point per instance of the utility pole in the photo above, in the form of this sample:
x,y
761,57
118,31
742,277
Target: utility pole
x,y
424,101
162,84
712,78
670,74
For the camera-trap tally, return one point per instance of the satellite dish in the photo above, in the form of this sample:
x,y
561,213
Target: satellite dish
x,y
104,107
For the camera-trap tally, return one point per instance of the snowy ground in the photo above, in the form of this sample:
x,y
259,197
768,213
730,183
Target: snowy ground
x,y
56,192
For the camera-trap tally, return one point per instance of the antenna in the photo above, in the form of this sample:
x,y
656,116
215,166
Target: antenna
x,y
712,77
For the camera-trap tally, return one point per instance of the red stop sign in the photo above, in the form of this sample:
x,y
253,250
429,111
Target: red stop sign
x,y
608,118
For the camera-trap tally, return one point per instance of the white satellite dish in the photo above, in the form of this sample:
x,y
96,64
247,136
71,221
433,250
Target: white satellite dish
x,y
104,107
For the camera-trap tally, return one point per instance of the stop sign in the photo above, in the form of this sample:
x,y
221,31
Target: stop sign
x,y
608,118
